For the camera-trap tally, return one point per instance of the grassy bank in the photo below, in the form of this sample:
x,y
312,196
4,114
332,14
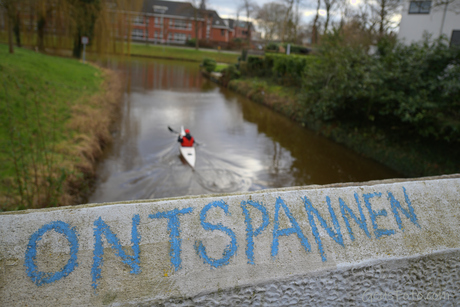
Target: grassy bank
x,y
413,158
54,121
182,53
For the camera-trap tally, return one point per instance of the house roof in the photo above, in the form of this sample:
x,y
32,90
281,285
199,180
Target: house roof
x,y
183,9
232,24
216,20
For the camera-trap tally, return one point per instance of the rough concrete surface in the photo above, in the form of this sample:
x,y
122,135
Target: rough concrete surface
x,y
380,243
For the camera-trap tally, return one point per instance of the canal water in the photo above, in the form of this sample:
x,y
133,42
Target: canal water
x,y
243,146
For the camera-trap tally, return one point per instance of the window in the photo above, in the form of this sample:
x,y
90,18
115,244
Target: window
x,y
138,20
222,32
419,7
455,38
181,24
180,37
137,33
157,20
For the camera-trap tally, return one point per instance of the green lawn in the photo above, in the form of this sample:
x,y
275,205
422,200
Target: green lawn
x,y
37,94
182,53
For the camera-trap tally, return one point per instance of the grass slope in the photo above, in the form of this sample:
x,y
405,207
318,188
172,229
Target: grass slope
x,y
47,108
182,53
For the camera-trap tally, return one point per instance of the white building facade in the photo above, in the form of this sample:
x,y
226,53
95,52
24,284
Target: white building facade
x,y
430,17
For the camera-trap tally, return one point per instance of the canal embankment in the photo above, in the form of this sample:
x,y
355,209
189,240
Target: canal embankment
x,y
411,159
361,101
54,123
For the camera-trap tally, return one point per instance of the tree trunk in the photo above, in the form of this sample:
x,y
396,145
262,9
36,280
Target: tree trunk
x,y
383,8
315,24
41,33
10,34
286,16
197,46
78,46
328,15
249,34
17,29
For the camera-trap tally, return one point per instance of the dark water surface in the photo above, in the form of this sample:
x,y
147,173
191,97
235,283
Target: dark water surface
x,y
244,146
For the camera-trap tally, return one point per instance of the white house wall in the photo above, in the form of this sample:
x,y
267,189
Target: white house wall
x,y
413,26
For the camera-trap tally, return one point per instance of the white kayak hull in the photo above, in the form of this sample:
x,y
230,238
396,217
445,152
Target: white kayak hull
x,y
188,153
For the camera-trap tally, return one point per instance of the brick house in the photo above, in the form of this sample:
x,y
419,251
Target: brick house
x,y
176,22
239,29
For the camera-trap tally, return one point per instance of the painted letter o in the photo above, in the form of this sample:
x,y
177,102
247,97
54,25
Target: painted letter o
x,y
40,278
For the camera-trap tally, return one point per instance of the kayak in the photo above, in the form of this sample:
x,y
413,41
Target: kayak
x,y
187,152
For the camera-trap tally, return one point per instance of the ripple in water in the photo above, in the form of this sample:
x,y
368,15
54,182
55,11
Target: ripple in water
x,y
222,180
168,176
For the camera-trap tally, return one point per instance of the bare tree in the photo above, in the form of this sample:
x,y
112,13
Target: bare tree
x,y
291,23
287,16
44,9
270,17
198,11
330,6
9,6
383,11
315,23
447,5
249,7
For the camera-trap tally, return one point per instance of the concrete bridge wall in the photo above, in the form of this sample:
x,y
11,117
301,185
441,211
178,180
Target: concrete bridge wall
x,y
383,243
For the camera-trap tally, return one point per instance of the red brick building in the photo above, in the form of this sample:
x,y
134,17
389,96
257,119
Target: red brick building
x,y
177,22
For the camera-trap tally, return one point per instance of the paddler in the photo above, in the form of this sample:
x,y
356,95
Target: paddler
x,y
187,140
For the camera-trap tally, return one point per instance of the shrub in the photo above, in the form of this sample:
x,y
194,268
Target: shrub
x,y
297,49
288,69
413,89
229,73
209,64
284,69
255,63
190,42
273,47
244,55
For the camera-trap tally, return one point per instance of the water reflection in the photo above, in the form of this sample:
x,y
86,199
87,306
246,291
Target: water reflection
x,y
154,74
244,146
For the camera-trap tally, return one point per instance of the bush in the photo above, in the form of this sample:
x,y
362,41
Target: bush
x,y
229,73
209,64
190,42
244,55
413,89
289,69
284,69
297,49
273,47
255,63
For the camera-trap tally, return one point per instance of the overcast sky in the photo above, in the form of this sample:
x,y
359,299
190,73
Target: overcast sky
x,y
228,8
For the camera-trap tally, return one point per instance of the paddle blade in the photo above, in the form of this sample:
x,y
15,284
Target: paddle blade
x,y
172,130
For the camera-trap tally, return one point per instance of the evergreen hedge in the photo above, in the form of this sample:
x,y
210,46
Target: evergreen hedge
x,y
412,89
